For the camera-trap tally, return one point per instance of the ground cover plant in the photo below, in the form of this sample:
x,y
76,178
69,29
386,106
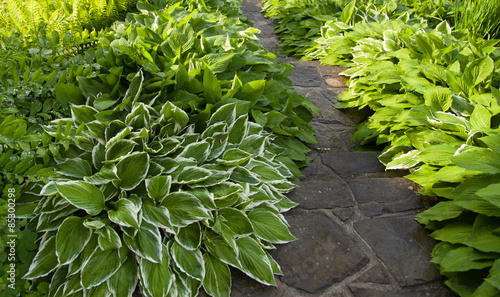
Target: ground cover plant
x,y
434,94
175,106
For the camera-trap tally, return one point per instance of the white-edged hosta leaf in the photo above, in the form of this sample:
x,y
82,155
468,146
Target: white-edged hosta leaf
x,y
157,278
45,260
267,173
225,189
254,144
71,238
108,238
197,150
480,117
49,189
218,247
132,170
82,195
478,158
217,280
184,209
254,261
77,264
269,226
146,243
193,174
124,281
404,161
188,261
238,130
236,220
100,267
233,157
104,176
98,155
76,167
243,175
158,187
225,113
157,215
190,236
119,148
100,290
126,212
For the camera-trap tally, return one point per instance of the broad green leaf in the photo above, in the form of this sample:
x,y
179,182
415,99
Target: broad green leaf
x,y
479,70
108,238
188,261
157,278
124,281
444,210
119,149
84,256
233,157
251,91
236,220
158,187
126,213
189,237
45,260
270,226
225,113
193,174
491,193
238,130
438,98
266,172
217,280
82,195
494,277
466,258
157,215
243,175
211,88
348,12
105,176
254,261
254,144
198,151
100,267
483,236
480,117
71,238
218,247
83,114
184,209
132,170
76,167
478,158
455,232
146,243
68,94
179,117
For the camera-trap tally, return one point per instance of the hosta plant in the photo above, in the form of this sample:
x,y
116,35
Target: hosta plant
x,y
143,198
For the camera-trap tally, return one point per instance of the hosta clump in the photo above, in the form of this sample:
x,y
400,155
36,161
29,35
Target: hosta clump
x,y
144,199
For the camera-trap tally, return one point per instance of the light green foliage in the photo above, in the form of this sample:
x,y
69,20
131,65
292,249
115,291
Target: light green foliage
x,y
480,17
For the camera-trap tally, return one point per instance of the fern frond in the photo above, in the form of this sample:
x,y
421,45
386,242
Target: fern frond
x,y
15,8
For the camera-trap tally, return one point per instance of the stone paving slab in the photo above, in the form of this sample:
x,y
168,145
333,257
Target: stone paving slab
x,y
356,222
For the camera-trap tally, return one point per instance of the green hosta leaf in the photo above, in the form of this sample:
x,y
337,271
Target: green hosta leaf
x,y
219,248
494,277
217,280
98,155
71,238
189,237
236,220
132,170
254,261
84,256
225,113
211,88
270,226
146,243
157,215
491,193
251,91
68,94
466,258
478,158
184,209
198,151
108,238
105,176
83,114
266,172
126,212
158,187
233,157
404,161
254,144
243,175
480,117
82,195
224,190
180,117
444,210
157,278
100,267
455,232
119,149
238,130
124,281
45,260
438,98
74,167
193,174
348,12
188,261
479,70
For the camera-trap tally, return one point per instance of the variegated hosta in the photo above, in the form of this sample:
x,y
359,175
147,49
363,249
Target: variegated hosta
x,y
143,198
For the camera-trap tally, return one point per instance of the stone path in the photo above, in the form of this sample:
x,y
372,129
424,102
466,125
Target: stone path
x,y
355,223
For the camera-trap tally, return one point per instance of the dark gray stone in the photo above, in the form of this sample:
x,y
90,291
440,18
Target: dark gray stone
x,y
403,245
242,285
305,76
377,196
333,137
438,290
324,254
350,164
377,275
344,214
315,193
